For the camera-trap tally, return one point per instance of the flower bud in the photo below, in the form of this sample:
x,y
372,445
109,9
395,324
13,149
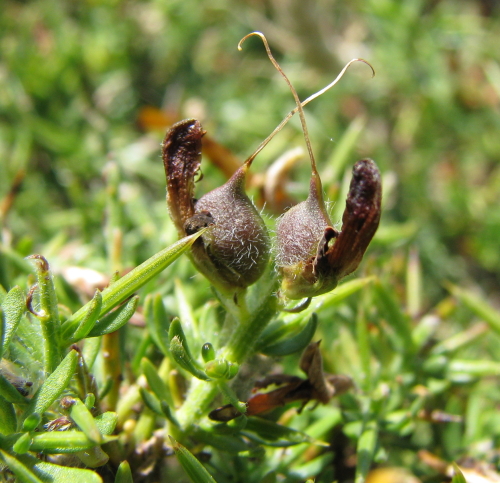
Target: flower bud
x,y
311,255
234,252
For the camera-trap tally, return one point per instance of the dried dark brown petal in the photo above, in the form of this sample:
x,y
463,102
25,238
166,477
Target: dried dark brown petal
x,y
359,221
181,152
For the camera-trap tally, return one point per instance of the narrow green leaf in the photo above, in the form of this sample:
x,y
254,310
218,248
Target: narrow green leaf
x,y
124,474
313,467
223,442
155,382
8,421
90,351
367,444
106,422
48,314
181,353
24,474
64,442
473,368
10,393
274,434
136,278
295,343
53,387
13,308
157,322
93,457
185,312
342,292
82,417
32,422
396,319
51,473
194,469
167,412
116,319
75,332
480,307
151,401
231,397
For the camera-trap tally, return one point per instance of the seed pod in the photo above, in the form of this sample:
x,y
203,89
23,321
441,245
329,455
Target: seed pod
x,y
309,264
311,255
234,252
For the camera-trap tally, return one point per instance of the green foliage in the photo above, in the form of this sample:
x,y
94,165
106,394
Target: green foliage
x,y
107,362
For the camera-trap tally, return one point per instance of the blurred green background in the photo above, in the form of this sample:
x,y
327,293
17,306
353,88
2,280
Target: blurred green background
x,y
78,81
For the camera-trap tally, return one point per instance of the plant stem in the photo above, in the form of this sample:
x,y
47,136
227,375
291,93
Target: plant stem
x,y
240,346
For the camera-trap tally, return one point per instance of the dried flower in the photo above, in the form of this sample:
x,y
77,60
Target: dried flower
x,y
234,252
311,255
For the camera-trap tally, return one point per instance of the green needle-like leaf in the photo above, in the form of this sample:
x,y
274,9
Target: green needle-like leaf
x,y
86,324
53,387
23,473
82,417
296,343
123,288
13,307
180,351
116,319
64,442
194,469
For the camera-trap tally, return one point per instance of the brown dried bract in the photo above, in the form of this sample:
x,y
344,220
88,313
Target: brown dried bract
x,y
317,387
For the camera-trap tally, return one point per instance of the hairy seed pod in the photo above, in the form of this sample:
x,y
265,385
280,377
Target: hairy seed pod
x,y
311,255
234,252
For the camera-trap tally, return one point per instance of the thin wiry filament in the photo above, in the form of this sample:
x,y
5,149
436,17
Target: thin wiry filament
x,y
300,105
292,89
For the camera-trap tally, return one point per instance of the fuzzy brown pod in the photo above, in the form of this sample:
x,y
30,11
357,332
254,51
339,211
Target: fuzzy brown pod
x,y
312,256
235,251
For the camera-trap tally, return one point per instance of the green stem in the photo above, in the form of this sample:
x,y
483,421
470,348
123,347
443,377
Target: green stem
x,y
243,340
200,395
240,346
